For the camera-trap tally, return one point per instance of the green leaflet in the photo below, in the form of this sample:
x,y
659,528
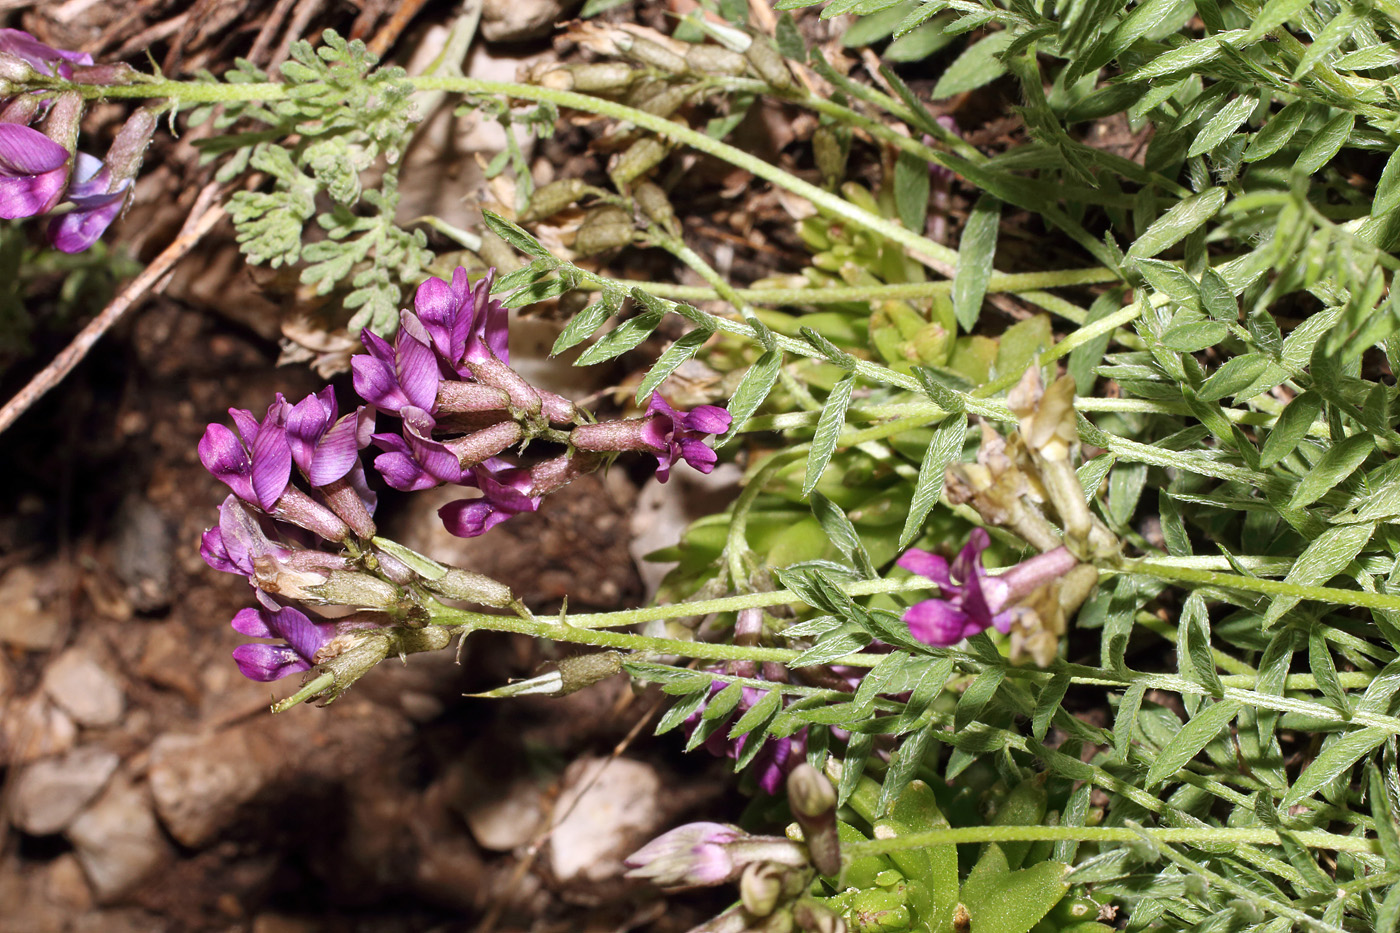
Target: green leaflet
x,y
1180,220
1337,758
1193,737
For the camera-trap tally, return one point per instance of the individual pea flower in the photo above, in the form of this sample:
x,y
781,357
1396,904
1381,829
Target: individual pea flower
x,y
35,166
415,460
43,58
971,600
100,187
665,433
396,376
33,172
96,203
506,491
326,449
463,323
254,546
704,854
255,461
302,640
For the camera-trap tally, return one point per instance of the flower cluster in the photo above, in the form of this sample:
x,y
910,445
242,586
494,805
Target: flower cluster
x,y
43,172
299,523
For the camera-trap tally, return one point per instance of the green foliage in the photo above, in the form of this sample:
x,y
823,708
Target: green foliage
x,y
347,116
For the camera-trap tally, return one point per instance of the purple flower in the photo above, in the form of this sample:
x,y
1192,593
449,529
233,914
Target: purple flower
x,y
267,552
671,435
505,492
413,460
255,462
33,171
303,639
96,203
692,855
39,56
323,448
463,323
399,376
970,599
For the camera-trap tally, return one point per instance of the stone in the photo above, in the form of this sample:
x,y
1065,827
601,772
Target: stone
x,y
89,693
506,822
28,622
608,808
118,841
518,20
144,554
66,887
199,782
32,727
49,793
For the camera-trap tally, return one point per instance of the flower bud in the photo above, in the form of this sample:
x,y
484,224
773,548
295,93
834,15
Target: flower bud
x,y
761,888
482,445
813,802
693,855
604,228
129,147
15,70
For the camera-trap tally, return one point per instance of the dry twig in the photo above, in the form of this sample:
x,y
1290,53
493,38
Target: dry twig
x,y
205,214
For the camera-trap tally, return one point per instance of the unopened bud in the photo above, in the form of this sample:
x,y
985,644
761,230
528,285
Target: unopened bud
x,y
604,228
639,158
480,446
715,60
761,888
129,147
813,802
15,69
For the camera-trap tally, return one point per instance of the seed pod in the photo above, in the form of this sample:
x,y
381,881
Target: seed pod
x,y
663,100
655,205
831,153
715,60
556,79
602,76
604,228
768,62
553,198
656,55
472,587
641,157
585,670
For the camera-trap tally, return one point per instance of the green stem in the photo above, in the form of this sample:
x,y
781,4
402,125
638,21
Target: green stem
x,y
1325,594
1000,282
1099,834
